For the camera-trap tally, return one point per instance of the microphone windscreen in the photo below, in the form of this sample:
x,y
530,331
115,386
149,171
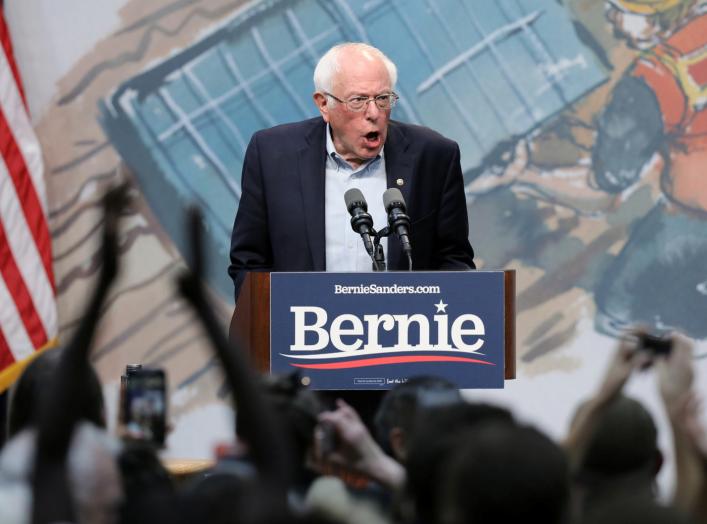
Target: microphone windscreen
x,y
393,198
354,198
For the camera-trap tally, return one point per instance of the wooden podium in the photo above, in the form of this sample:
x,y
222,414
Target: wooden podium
x,y
250,323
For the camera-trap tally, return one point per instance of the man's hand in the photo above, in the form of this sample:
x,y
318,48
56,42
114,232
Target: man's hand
x,y
688,415
354,447
675,377
675,374
626,360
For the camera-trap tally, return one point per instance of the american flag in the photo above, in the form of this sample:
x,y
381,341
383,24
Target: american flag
x,y
28,316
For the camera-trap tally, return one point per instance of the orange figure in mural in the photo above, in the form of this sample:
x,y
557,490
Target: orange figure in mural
x,y
656,118
676,71
660,106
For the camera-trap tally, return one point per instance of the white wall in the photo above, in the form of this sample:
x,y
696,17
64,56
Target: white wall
x,y
49,36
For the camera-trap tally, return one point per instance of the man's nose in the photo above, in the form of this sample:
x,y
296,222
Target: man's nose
x,y
372,111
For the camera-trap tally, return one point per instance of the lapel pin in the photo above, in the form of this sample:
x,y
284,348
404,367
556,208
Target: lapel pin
x,y
400,181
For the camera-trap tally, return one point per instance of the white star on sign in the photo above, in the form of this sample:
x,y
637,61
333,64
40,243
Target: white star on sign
x,y
441,307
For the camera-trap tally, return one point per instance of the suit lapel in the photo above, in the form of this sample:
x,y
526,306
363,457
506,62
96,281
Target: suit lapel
x,y
311,169
399,166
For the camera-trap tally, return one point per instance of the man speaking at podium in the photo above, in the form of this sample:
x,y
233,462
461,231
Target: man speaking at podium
x,y
292,214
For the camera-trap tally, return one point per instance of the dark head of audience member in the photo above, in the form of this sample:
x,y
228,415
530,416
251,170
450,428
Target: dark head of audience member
x,y
26,393
228,494
399,408
296,409
433,439
622,455
227,498
501,473
634,509
149,492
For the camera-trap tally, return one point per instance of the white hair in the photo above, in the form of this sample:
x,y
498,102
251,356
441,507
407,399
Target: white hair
x,y
328,65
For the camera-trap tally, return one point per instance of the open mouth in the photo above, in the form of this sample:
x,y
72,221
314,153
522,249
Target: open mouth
x,y
372,138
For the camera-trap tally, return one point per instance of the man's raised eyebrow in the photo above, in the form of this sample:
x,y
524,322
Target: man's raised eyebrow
x,y
358,95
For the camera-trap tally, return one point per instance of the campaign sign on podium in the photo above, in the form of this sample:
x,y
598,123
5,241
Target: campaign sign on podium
x,y
376,330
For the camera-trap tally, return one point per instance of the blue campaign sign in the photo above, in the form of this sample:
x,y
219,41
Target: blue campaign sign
x,y
376,330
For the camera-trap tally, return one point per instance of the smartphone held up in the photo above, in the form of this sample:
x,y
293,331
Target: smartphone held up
x,y
143,404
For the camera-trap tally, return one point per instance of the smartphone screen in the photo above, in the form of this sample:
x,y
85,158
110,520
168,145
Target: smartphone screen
x,y
146,406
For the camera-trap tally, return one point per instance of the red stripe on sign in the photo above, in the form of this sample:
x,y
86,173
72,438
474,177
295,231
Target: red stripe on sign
x,y
9,55
19,293
6,356
27,195
381,361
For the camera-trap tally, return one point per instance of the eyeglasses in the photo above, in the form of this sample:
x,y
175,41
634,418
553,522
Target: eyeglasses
x,y
360,103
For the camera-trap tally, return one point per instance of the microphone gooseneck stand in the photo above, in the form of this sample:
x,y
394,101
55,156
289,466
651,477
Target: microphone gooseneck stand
x,y
378,254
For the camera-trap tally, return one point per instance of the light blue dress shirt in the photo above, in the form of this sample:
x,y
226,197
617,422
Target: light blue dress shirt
x,y
344,247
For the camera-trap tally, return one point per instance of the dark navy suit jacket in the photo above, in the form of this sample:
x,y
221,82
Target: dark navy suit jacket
x,y
280,221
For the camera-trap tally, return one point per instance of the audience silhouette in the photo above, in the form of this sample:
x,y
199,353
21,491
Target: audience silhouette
x,y
435,458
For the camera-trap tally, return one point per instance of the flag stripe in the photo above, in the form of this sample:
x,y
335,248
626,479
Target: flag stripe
x,y
6,357
26,193
18,120
25,259
9,55
18,291
19,345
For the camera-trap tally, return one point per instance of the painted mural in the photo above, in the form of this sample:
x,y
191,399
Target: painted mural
x,y
581,125
620,177
184,124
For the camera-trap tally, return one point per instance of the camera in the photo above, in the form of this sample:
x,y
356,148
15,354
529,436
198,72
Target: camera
x,y
144,404
657,345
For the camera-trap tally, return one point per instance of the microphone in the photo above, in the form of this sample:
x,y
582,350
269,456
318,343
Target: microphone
x,y
397,219
361,221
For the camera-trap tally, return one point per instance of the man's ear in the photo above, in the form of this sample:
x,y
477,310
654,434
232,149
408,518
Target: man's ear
x,y
321,101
